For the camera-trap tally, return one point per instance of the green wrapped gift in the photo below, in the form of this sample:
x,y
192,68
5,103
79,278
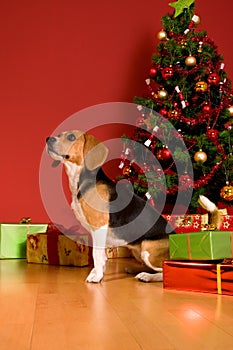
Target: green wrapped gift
x,y
13,239
206,245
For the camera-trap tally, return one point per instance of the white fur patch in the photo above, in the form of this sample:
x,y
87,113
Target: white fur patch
x,y
73,172
99,254
150,277
145,257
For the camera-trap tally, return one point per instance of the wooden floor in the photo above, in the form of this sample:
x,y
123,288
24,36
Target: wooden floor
x,y
52,308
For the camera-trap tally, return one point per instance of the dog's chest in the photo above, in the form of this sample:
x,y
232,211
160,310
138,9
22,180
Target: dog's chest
x,y
73,172
78,212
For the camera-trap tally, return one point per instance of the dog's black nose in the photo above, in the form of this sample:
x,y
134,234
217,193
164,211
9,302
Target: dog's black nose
x,y
50,139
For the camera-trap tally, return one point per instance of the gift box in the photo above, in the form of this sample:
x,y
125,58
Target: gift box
x,y
226,206
118,252
56,248
13,239
198,276
226,223
185,223
206,245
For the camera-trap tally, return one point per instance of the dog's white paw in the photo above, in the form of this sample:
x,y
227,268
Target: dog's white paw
x,y
95,276
150,277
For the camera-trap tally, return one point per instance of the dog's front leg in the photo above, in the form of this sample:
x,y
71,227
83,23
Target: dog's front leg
x,y
99,254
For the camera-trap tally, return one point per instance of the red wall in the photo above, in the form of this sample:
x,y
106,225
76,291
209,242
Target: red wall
x,y
58,57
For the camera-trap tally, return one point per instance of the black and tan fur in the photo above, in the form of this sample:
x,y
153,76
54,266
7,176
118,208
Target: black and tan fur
x,y
113,214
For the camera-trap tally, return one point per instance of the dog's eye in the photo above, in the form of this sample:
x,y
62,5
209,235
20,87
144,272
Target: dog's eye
x,y
71,137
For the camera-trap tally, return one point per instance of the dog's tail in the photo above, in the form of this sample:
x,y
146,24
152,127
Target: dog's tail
x,y
215,216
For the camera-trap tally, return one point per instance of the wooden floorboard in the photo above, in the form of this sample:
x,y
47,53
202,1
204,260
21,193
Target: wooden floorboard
x,y
53,308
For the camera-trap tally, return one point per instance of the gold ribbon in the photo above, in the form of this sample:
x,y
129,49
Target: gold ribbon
x,y
26,220
208,227
219,282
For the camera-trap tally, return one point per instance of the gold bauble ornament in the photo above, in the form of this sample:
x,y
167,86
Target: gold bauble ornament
x,y
127,170
227,192
162,35
173,113
201,86
230,109
183,43
190,61
162,94
200,156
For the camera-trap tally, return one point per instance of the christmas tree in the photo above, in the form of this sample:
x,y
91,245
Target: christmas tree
x,y
188,86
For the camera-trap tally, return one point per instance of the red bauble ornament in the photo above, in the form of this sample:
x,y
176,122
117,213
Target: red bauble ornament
x,y
185,181
158,172
152,72
140,122
213,79
206,108
212,134
164,154
163,112
145,168
167,73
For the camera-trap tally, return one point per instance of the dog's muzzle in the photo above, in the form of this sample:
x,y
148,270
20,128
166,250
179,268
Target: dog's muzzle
x,y
50,141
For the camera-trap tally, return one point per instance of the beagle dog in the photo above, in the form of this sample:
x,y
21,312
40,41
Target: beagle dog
x,y
111,212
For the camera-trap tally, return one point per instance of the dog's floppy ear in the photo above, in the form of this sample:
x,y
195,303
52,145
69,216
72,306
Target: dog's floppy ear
x,y
94,152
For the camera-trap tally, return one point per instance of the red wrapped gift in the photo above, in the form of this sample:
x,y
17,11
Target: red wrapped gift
x,y
226,223
227,206
199,276
185,223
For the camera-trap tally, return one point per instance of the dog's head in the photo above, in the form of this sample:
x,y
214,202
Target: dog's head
x,y
77,147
